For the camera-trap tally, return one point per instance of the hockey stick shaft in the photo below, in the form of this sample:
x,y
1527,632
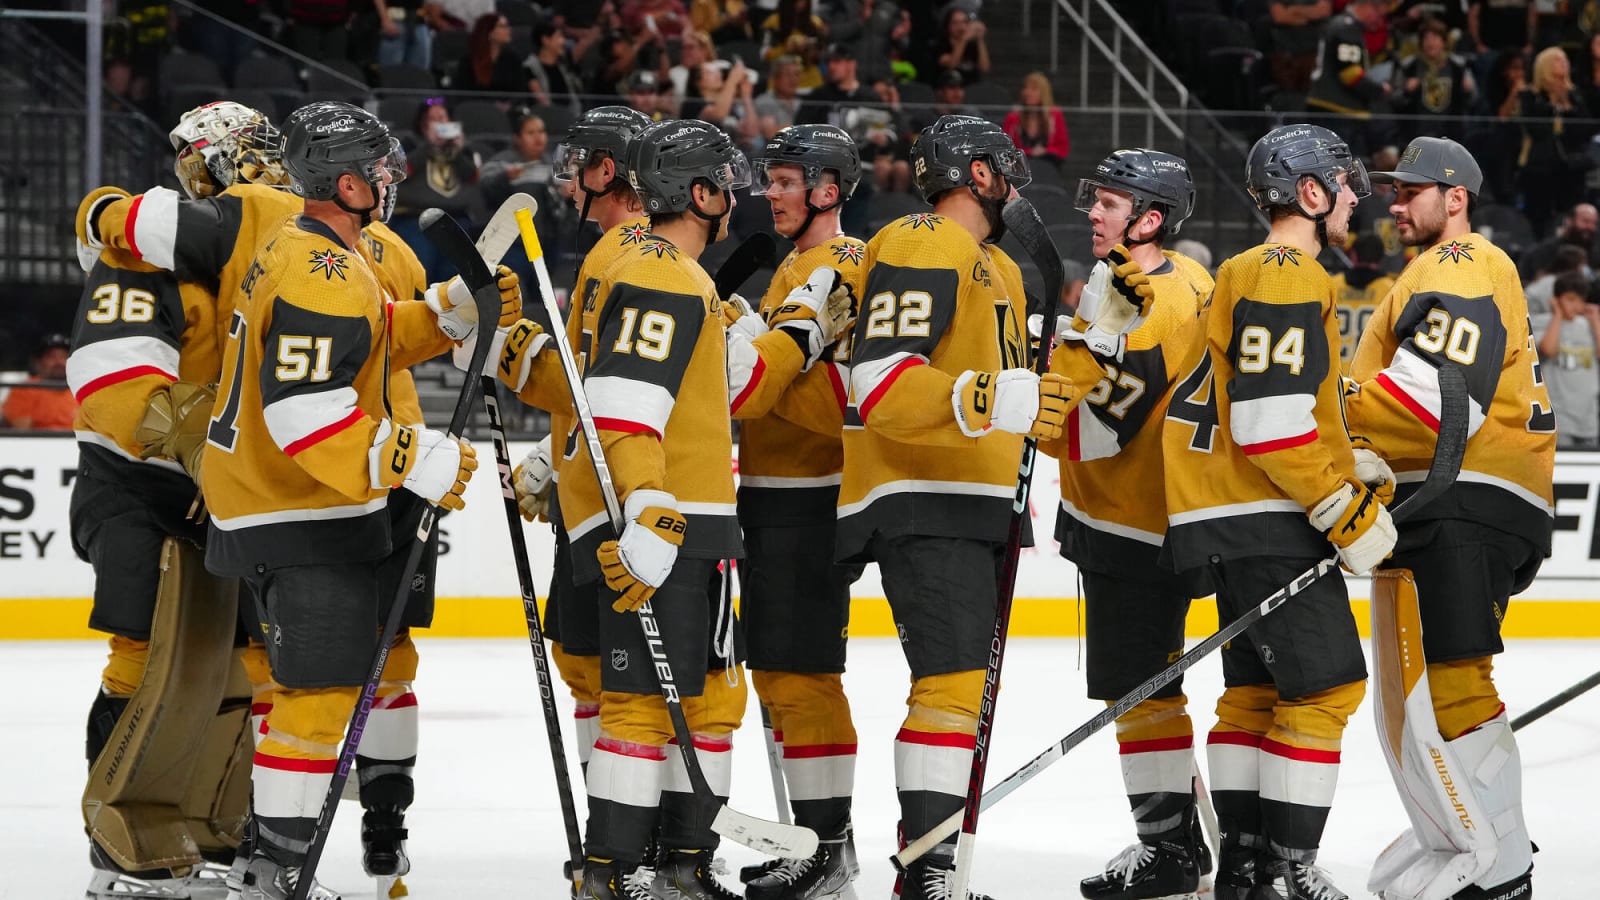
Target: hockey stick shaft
x,y
752,254
1555,703
1023,221
1446,465
769,837
780,791
454,243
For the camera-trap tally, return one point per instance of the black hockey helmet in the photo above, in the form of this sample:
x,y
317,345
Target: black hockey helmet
x,y
1288,153
602,129
942,154
1150,177
667,158
815,149
328,138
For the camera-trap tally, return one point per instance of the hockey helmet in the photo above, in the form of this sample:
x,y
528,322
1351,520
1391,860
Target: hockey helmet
x,y
815,149
1149,177
667,158
329,138
604,128
942,154
1288,153
223,143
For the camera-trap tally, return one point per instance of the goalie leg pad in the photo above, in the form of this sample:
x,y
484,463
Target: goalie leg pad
x,y
933,751
133,802
625,775
1155,742
1300,768
1233,757
388,750
811,722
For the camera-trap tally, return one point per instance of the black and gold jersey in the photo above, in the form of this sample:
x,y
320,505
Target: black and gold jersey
x,y
1358,293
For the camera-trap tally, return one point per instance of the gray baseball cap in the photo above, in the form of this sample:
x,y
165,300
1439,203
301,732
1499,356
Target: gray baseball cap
x,y
1432,160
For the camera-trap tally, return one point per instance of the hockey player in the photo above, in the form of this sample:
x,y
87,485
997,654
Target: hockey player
x,y
1358,291
1260,479
1112,527
941,397
652,349
1460,302
795,600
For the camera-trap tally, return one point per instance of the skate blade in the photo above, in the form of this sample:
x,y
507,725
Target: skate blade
x,y
392,887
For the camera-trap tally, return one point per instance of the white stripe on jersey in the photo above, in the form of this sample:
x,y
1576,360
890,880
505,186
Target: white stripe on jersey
x,y
277,517
780,481
1416,475
155,227
916,486
102,359
1232,509
1275,418
1108,527
298,416
1094,439
106,443
866,376
614,397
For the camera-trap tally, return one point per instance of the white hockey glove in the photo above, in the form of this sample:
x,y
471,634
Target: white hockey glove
x,y
532,479
1099,341
816,313
1357,524
739,318
1373,472
1036,325
1114,303
1018,401
640,561
451,301
425,462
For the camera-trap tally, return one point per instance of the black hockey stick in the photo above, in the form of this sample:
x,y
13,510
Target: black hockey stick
x,y
448,237
1555,703
1023,221
773,838
491,253
753,254
1451,447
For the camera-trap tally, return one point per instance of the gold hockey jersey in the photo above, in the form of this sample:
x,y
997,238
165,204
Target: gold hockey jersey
x,y
401,274
650,348
1461,302
937,303
1254,433
1113,514
1358,293
305,372
790,451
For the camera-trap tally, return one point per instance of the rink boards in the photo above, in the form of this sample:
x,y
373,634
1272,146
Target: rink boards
x,y
44,587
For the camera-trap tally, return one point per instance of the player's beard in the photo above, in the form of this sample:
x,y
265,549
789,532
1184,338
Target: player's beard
x,y
1426,231
992,208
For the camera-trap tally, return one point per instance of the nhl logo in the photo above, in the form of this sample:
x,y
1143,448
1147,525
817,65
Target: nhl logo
x,y
619,660
1267,656
419,582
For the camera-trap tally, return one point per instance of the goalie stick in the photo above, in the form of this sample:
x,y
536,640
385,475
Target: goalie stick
x,y
1448,451
753,254
1555,703
493,243
772,838
448,237
1023,221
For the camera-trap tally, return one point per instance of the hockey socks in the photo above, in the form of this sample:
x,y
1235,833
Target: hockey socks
x,y
817,741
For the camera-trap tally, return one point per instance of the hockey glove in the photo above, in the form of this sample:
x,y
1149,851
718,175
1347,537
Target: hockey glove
x,y
1132,285
174,425
425,462
1357,525
1036,325
522,343
739,318
532,479
1373,472
452,302
638,563
93,204
1013,400
816,313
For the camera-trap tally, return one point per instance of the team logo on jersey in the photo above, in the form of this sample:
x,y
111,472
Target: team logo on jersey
x,y
1280,254
1455,251
328,263
921,220
849,252
660,248
633,234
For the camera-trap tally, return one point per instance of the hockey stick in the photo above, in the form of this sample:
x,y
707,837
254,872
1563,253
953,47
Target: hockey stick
x,y
1451,446
448,237
772,838
1023,221
780,791
1555,703
492,245
754,253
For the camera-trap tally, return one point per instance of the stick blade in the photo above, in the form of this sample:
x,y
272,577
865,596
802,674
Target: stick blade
x,y
501,232
1451,445
771,838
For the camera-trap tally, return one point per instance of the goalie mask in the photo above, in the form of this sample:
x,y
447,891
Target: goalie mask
x,y
669,158
327,139
815,150
1149,177
226,143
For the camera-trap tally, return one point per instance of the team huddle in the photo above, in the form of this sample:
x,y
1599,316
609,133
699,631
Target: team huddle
x,y
254,466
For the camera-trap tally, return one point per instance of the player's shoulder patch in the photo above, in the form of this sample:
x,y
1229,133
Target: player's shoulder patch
x,y
329,262
630,233
658,248
1454,251
919,220
847,251
1280,255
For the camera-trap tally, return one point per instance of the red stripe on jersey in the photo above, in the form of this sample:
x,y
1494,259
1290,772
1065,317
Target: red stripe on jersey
x,y
260,709
402,700
839,391
1236,738
1298,440
1074,445
1299,754
937,738
127,227
105,381
817,751
884,385
323,433
629,748
759,370
1156,745
623,425
289,764
1410,403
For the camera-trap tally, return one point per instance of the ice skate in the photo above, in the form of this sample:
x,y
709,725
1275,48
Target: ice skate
x,y
1236,873
383,851
605,881
930,877
690,875
110,882
1285,880
825,875
1165,870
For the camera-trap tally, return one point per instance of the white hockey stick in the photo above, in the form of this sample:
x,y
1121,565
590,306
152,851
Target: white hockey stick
x,y
772,838
497,237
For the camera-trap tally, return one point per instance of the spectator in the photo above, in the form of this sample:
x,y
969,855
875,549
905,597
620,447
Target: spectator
x,y
555,81
1540,291
666,18
950,99
443,173
1292,48
886,142
726,103
621,57
43,408
962,45
129,91
879,30
1436,87
697,50
1589,80
1578,229
524,166
1566,336
1554,158
1344,82
488,65
1500,25
843,89
780,104
795,31
319,28
406,33
724,20
1036,125
1497,139
643,91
